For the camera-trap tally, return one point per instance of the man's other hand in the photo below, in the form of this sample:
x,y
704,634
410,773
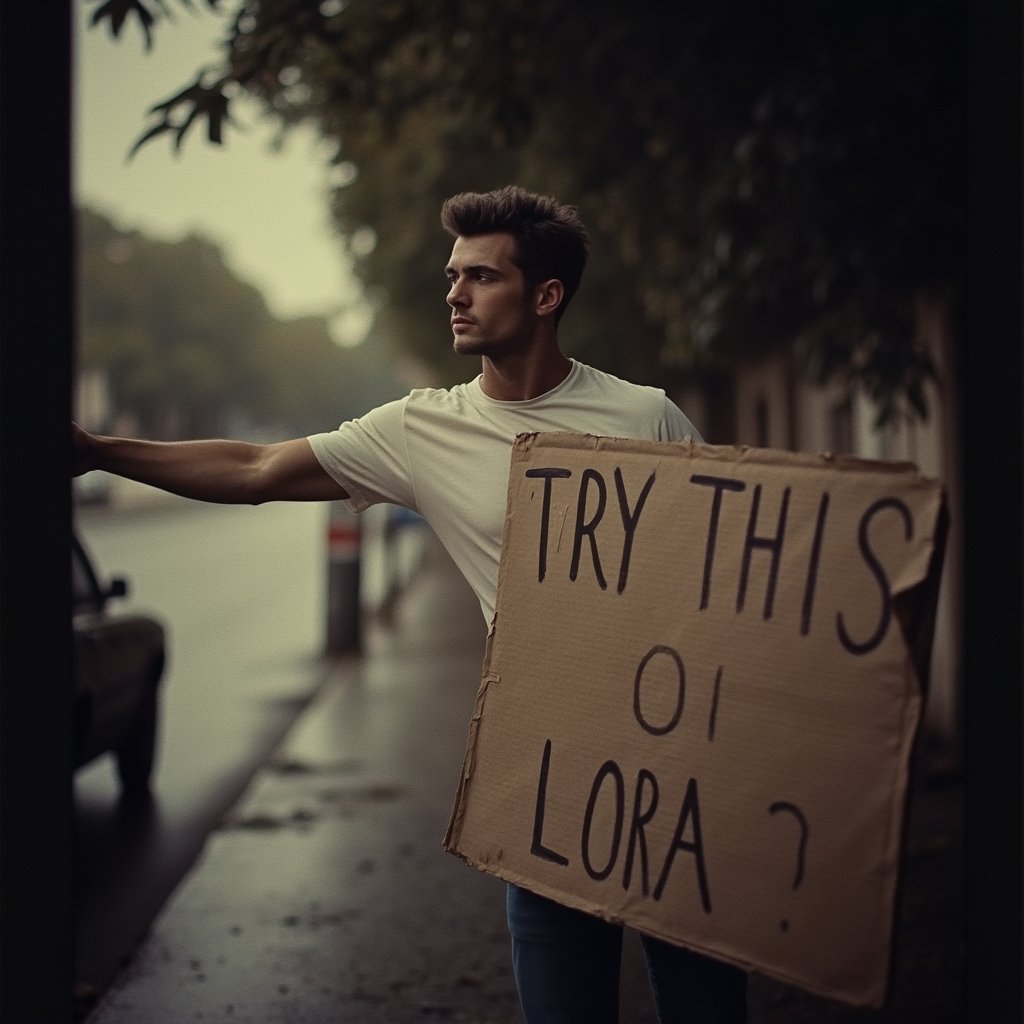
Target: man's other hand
x,y
81,455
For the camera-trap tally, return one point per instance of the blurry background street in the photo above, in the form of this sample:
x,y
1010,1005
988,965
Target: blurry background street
x,y
242,593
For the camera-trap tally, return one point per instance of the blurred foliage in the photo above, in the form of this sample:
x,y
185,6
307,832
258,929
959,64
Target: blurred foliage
x,y
754,175
189,349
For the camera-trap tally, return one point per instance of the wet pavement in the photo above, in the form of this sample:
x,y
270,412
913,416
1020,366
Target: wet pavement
x,y
325,896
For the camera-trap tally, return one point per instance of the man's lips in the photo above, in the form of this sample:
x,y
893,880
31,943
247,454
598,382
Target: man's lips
x,y
461,321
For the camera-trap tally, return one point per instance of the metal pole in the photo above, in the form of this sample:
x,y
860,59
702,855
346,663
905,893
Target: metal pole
x,y
344,540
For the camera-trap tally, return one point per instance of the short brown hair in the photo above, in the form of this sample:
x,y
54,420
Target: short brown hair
x,y
551,240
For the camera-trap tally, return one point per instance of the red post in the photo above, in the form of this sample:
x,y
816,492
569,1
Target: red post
x,y
344,541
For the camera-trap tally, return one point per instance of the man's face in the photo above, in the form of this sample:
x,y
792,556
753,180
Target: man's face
x,y
488,298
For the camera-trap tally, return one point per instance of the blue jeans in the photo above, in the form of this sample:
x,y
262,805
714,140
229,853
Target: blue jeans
x,y
567,967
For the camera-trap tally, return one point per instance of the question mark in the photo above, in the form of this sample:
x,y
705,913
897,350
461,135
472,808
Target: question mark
x,y
798,877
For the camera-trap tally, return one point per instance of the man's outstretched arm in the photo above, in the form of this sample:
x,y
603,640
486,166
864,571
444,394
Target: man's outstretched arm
x,y
227,472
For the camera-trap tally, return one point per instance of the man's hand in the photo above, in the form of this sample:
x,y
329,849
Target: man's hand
x,y
81,457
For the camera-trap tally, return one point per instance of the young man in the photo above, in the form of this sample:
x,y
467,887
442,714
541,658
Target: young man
x,y
515,264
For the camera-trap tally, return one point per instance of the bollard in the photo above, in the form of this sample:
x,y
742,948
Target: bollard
x,y
344,535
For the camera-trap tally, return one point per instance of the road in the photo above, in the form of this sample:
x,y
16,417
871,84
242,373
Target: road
x,y
242,592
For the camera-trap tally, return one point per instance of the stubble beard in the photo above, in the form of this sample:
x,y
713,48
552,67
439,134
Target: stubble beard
x,y
477,346
490,346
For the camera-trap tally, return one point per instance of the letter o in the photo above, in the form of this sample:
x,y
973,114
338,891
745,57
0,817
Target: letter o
x,y
608,768
659,730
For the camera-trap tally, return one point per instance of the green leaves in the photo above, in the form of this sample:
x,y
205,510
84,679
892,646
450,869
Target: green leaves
x,y
182,340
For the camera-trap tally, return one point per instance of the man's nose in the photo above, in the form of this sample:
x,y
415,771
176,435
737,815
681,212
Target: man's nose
x,y
455,296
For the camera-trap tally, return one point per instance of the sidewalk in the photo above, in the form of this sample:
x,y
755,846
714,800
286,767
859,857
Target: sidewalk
x,y
325,897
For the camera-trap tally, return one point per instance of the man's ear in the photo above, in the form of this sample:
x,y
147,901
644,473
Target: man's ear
x,y
548,296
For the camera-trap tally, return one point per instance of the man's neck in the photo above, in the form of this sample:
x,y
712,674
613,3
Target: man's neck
x,y
513,379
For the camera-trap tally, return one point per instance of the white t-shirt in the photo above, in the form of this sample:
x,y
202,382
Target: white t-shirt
x,y
445,454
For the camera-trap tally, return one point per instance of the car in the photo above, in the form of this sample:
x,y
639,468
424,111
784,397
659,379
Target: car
x,y
119,664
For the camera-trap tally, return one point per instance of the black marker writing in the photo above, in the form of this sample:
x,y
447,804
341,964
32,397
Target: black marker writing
x,y
608,770
545,516
610,785
689,812
538,849
714,704
772,544
885,612
641,817
719,484
587,529
812,567
659,730
629,521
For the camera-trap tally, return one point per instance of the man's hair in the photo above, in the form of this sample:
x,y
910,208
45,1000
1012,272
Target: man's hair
x,y
550,239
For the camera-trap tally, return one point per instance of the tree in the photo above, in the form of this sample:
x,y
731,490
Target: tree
x,y
757,175
188,349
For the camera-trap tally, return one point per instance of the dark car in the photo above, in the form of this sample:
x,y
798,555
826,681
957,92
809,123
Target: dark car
x,y
119,665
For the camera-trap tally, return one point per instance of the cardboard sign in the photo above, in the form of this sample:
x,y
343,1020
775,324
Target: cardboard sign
x,y
701,689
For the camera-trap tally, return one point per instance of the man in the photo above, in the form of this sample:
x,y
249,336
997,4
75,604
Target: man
x,y
515,264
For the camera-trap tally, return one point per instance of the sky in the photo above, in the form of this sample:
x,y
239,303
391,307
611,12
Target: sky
x,y
266,210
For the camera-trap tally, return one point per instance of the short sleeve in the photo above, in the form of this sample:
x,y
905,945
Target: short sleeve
x,y
368,457
676,424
